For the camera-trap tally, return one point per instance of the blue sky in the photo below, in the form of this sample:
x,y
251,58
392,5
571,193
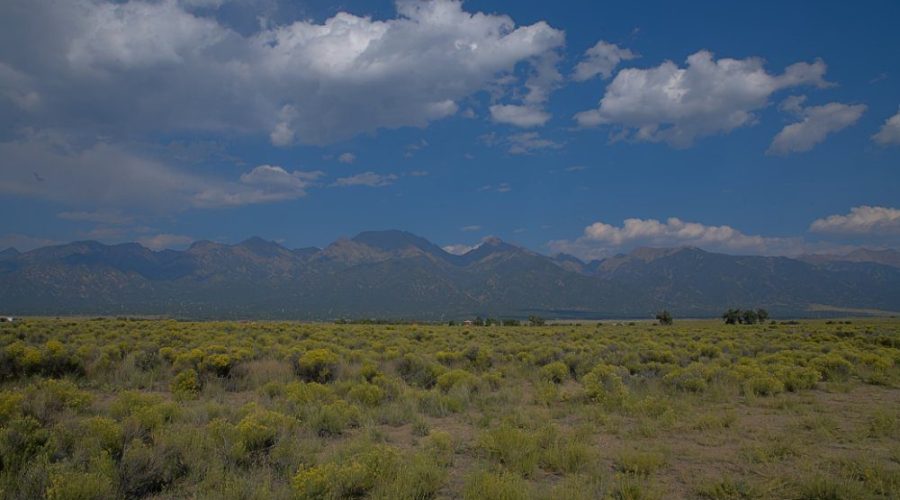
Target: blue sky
x,y
762,128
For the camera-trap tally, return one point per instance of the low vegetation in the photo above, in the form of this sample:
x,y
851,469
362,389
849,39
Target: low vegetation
x,y
136,409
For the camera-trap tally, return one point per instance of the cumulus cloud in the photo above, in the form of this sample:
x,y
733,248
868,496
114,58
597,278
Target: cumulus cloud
x,y
529,142
601,59
816,123
544,79
347,158
861,221
708,96
370,179
122,67
520,116
889,134
165,240
274,183
521,143
601,239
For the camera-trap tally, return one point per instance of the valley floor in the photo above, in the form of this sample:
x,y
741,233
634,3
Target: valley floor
x,y
159,409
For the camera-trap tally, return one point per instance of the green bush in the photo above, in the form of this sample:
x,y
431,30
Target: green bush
x,y
20,441
148,469
334,418
80,486
304,393
259,431
10,406
416,371
366,393
457,378
347,477
692,378
798,378
641,463
604,384
832,366
495,486
103,433
555,372
49,397
317,365
186,385
218,364
517,449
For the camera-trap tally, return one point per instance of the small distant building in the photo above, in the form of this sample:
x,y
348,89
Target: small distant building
x,y
468,322
7,319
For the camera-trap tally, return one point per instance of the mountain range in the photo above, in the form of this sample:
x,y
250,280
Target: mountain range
x,y
395,274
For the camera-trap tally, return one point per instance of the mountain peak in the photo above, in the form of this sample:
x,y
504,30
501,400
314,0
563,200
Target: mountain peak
x,y
393,240
565,257
489,246
200,244
261,247
885,256
9,253
390,239
651,253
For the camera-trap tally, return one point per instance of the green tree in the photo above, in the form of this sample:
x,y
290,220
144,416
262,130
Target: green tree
x,y
731,316
536,320
749,317
762,315
664,317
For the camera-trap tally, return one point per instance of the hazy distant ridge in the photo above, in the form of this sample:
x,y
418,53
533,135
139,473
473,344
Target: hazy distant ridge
x,y
397,274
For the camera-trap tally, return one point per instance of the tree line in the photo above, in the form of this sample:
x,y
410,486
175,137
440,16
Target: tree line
x,y
479,321
745,316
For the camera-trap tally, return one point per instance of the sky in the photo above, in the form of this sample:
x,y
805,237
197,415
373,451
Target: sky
x,y
583,127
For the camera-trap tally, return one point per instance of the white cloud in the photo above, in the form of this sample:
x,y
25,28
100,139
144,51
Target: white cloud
x,y
412,149
110,178
677,105
503,187
370,179
601,59
889,134
862,220
520,116
816,124
601,239
529,142
16,87
460,249
165,240
347,158
121,68
276,183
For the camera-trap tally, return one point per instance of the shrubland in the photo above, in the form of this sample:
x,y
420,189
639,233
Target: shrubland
x,y
117,408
